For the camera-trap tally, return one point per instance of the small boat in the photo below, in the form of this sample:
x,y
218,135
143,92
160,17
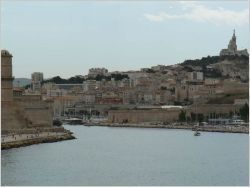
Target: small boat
x,y
197,133
74,121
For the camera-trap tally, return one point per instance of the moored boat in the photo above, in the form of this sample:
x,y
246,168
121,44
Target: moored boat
x,y
74,121
197,133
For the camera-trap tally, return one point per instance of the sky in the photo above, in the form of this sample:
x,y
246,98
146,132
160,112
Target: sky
x,y
67,38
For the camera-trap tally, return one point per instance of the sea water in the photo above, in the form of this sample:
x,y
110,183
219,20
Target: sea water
x,y
131,156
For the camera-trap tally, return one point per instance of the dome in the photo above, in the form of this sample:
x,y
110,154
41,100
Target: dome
x,y
5,53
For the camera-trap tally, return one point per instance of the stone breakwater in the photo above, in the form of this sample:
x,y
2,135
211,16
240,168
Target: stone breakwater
x,y
208,128
28,137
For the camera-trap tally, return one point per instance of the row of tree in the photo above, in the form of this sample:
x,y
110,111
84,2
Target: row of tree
x,y
116,77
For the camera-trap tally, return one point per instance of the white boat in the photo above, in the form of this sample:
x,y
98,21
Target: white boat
x,y
197,133
237,122
73,121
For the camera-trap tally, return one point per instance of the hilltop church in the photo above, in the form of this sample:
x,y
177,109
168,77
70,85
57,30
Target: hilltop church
x,y
232,49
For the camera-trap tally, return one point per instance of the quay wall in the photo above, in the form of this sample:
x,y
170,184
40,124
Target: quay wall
x,y
206,109
138,116
207,128
49,139
34,130
167,115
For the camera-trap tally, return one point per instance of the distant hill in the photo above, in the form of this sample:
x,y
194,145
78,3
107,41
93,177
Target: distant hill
x,y
21,82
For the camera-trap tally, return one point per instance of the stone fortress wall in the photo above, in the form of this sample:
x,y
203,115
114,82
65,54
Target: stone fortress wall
x,y
10,112
138,116
167,115
23,111
37,112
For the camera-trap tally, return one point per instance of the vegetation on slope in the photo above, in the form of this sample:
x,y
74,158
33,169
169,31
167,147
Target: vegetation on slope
x,y
227,98
80,80
212,60
205,61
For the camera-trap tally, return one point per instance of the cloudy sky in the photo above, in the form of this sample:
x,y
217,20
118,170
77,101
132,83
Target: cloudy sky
x,y
66,38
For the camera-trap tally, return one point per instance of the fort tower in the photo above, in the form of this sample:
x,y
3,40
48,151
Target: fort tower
x,y
6,77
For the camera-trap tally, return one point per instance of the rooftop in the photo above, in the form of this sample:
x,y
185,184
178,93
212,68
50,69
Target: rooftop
x,y
5,53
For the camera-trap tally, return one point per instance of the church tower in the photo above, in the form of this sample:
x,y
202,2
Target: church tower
x,y
232,46
232,49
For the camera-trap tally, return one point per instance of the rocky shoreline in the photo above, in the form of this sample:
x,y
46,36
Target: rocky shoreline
x,y
66,135
208,128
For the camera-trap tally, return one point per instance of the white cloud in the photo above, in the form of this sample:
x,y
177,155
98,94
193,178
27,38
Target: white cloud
x,y
199,13
157,18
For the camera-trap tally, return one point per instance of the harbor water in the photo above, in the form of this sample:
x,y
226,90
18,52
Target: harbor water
x,y
131,156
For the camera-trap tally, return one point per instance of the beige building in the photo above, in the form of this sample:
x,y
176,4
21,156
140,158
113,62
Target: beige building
x,y
90,85
89,98
93,72
196,75
188,90
129,96
61,103
36,81
241,101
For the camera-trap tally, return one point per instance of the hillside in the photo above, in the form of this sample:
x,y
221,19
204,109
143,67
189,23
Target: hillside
x,y
220,66
227,98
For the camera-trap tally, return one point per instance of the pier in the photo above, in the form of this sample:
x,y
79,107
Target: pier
x,y
14,140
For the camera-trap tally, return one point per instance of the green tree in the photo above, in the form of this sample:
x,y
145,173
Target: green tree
x,y
188,118
231,114
200,117
193,116
182,116
244,112
57,80
75,80
27,86
119,77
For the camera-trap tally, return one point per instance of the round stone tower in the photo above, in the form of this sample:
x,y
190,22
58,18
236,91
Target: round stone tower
x,y
8,110
6,76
